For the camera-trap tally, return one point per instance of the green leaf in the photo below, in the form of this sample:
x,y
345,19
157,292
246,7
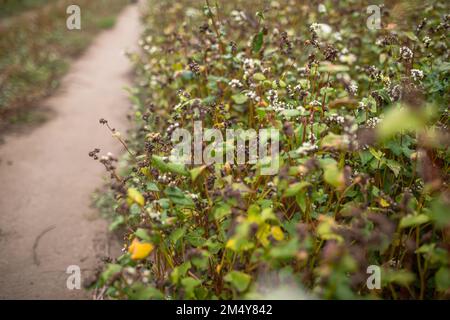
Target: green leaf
x,y
401,277
301,200
151,186
333,175
333,141
439,213
238,280
259,76
257,42
403,119
177,234
111,270
118,221
221,210
239,98
163,166
295,188
195,238
196,172
178,197
290,113
394,166
190,284
442,279
413,220
140,292
365,156
142,234
384,95
285,251
179,272
377,154
410,35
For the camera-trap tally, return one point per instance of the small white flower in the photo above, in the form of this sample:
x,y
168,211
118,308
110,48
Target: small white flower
x,y
417,74
347,58
252,95
336,118
306,148
406,53
155,215
321,8
373,122
323,30
235,83
315,103
353,88
238,16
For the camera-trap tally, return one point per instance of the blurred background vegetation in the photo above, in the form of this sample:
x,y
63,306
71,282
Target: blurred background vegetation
x,y
36,46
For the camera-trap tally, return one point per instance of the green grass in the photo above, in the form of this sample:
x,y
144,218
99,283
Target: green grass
x,y
36,52
106,22
13,7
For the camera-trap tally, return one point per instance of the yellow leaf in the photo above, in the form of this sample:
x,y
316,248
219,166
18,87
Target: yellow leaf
x,y
384,203
263,234
135,196
146,171
277,233
325,229
140,250
231,244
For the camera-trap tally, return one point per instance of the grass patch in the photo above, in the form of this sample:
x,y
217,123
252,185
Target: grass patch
x,y
35,49
106,22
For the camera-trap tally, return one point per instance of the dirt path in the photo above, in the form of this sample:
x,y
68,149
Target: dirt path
x,y
47,178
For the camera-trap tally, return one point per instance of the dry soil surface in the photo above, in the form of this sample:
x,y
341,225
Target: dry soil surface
x,y
47,178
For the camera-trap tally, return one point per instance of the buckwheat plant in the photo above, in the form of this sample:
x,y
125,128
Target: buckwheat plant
x,y
362,117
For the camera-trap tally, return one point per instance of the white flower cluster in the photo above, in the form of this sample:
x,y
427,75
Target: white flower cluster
x,y
272,95
194,196
406,53
335,118
416,74
250,64
349,58
315,103
372,122
303,71
235,83
307,148
153,214
252,95
353,88
164,178
321,29
321,8
238,16
279,106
